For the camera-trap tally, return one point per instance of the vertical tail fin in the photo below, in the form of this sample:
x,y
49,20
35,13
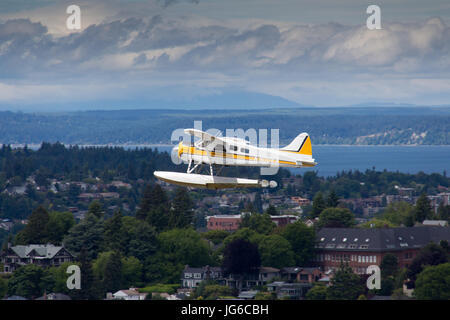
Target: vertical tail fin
x,y
301,144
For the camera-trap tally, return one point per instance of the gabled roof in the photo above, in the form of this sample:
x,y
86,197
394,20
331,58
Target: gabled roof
x,y
43,251
379,239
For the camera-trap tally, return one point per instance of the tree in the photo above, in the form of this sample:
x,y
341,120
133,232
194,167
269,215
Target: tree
x,y
58,225
272,211
112,277
36,230
336,218
389,265
59,275
302,240
87,234
181,215
176,248
276,252
158,217
378,223
132,272
29,281
422,210
318,292
89,284
143,241
261,223
241,257
257,203
433,283
216,236
332,199
443,212
96,209
345,285
114,237
184,246
3,287
318,205
430,255
153,198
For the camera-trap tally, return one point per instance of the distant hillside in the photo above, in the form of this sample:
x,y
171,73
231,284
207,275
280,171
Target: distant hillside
x,y
363,126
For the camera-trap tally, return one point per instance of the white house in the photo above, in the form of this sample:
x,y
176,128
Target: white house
x,y
131,294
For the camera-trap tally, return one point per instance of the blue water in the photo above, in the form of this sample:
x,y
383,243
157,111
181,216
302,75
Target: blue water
x,y
407,159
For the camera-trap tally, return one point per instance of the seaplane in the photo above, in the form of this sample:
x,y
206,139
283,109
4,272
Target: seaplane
x,y
216,151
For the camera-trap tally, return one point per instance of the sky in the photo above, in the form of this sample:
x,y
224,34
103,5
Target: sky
x,y
222,53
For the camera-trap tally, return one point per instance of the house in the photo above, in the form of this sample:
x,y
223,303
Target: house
x,y
437,223
301,274
259,278
39,254
362,247
248,295
292,291
301,201
223,222
54,296
130,294
231,222
284,220
191,277
120,184
311,222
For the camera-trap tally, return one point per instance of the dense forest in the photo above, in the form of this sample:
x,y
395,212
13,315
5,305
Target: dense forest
x,y
42,174
362,126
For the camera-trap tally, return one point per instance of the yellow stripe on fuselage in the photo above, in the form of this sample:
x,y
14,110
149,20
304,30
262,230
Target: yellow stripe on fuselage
x,y
193,150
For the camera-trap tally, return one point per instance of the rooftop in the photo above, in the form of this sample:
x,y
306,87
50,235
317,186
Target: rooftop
x,y
380,239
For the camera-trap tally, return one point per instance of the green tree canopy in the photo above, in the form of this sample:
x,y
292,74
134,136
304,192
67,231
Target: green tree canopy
x,y
318,292
302,240
241,257
58,226
422,210
181,215
87,234
276,252
399,213
318,205
96,209
433,283
36,231
430,255
30,281
336,218
345,285
261,223
332,199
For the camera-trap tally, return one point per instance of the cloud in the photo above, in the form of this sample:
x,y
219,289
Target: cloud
x,y
261,56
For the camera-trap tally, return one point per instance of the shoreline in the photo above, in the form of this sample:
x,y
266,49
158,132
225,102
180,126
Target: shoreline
x,y
152,145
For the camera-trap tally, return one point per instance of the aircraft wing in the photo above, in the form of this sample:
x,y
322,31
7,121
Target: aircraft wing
x,y
205,136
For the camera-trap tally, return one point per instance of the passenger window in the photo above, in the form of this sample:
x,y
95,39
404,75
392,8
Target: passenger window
x,y
220,149
245,150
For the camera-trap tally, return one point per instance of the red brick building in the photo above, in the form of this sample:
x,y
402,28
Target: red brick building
x,y
231,222
361,247
223,222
